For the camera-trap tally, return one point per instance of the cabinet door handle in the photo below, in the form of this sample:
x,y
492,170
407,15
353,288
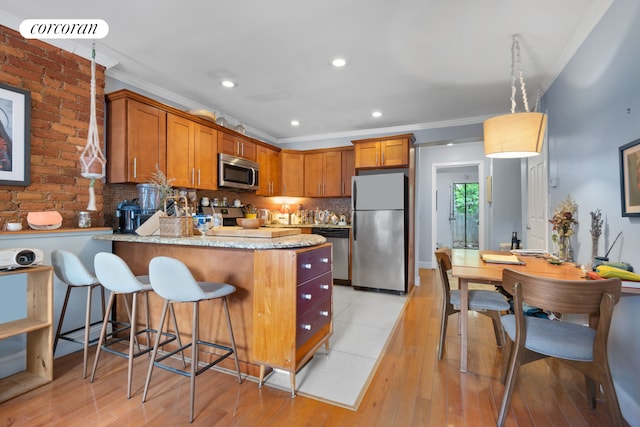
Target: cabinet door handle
x,y
199,176
193,175
135,167
306,326
306,266
324,260
324,313
383,157
324,287
306,296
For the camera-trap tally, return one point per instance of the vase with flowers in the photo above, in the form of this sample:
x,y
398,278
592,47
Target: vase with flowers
x,y
564,216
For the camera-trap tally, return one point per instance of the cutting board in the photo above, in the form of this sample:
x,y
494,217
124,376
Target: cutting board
x,y
263,232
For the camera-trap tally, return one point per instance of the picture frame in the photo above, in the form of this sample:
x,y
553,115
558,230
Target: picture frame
x,y
630,178
15,136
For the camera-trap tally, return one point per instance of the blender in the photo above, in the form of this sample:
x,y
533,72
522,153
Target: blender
x,y
148,200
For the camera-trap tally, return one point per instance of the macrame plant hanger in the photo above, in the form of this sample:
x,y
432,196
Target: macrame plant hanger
x,y
92,158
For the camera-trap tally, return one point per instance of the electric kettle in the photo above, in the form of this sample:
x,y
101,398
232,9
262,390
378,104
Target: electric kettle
x,y
128,214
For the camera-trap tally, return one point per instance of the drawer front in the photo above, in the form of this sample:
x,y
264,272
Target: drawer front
x,y
313,263
310,322
312,292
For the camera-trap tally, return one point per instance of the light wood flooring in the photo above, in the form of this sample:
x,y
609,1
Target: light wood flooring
x,y
411,388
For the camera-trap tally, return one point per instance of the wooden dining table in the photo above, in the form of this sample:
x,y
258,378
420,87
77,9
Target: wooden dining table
x,y
468,266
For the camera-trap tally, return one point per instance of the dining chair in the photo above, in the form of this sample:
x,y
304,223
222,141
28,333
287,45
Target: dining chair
x,y
483,301
580,346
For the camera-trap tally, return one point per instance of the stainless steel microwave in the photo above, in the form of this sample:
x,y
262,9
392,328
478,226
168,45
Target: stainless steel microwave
x,y
236,172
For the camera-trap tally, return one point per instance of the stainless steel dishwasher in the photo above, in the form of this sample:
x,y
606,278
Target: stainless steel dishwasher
x,y
339,239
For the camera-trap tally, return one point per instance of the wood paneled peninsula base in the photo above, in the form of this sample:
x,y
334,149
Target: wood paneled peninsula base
x,y
281,311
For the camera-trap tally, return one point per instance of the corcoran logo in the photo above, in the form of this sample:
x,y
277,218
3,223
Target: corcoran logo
x,y
64,28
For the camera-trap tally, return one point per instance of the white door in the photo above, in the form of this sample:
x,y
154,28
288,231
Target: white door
x,y
537,200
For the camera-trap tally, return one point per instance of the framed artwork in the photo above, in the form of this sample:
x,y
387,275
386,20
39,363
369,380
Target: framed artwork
x,y
630,178
15,135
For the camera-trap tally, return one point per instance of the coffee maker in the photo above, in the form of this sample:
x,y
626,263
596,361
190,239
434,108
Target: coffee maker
x,y
132,214
128,214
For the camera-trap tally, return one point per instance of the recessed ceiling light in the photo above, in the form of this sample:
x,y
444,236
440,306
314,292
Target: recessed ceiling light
x,y
295,123
376,114
339,62
449,144
228,83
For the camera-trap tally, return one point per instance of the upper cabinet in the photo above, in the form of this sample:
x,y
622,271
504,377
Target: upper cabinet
x,y
236,145
136,139
348,171
292,176
191,153
383,152
323,173
269,178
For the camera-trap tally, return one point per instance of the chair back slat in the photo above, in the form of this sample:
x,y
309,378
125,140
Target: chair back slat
x,y
564,296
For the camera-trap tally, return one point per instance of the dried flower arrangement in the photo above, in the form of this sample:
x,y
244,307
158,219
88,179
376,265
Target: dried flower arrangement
x,y
164,184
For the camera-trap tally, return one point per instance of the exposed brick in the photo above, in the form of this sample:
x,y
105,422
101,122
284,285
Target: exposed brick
x,y
59,83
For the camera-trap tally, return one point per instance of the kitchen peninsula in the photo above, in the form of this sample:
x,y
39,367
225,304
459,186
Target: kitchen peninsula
x,y
281,310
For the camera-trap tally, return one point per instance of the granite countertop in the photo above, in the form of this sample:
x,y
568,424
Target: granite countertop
x,y
308,225
295,241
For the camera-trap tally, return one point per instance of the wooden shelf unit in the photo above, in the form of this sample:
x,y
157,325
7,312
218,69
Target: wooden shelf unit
x,y
38,325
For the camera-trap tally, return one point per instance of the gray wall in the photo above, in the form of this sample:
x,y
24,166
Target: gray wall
x,y
594,108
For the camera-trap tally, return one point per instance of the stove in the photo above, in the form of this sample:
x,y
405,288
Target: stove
x,y
229,214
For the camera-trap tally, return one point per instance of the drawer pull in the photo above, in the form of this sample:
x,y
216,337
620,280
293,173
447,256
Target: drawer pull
x,y
324,313
324,260
306,326
306,296
324,287
306,266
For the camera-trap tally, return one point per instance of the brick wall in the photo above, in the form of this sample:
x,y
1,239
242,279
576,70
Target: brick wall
x,y
59,83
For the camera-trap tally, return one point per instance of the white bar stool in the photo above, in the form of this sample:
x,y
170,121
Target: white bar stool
x,y
172,280
115,275
74,274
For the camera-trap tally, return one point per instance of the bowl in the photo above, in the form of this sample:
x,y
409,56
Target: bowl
x,y
14,226
250,222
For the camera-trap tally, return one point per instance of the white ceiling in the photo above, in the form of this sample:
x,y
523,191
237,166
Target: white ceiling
x,y
423,63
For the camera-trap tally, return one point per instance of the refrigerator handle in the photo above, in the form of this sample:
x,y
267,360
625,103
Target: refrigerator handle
x,y
354,226
354,195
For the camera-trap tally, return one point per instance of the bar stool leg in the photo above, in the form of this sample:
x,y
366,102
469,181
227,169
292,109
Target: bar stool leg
x,y
194,356
62,313
103,334
154,353
233,341
87,329
132,340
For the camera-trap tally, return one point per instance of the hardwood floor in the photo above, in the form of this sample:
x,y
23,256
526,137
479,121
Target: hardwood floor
x,y
411,388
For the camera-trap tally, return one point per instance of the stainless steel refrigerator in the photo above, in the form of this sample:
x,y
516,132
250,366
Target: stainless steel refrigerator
x,y
379,232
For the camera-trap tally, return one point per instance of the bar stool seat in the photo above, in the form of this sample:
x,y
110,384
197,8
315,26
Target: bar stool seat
x,y
70,270
115,275
172,280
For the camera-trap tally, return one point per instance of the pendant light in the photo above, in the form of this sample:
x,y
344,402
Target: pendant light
x,y
517,134
92,159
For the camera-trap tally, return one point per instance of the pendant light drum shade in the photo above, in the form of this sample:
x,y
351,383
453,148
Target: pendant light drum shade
x,y
514,135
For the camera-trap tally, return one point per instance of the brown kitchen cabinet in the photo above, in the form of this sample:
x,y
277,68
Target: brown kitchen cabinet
x,y
236,145
292,176
269,178
191,153
323,174
383,152
136,138
348,171
292,316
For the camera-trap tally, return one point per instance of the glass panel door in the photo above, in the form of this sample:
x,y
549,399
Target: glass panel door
x,y
465,215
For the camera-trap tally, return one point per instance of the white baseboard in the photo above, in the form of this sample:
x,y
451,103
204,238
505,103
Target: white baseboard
x,y
629,407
